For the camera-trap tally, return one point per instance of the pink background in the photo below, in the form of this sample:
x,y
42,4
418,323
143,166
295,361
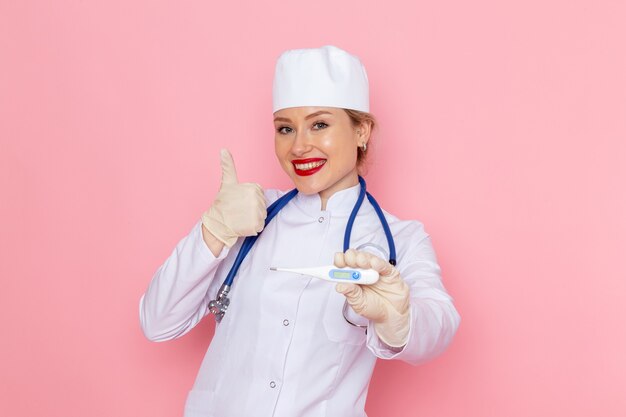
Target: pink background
x,y
502,128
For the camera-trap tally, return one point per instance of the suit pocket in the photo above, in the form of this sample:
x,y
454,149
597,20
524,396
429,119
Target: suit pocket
x,y
335,325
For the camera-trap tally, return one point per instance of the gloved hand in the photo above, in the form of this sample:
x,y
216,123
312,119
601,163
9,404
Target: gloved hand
x,y
386,302
239,208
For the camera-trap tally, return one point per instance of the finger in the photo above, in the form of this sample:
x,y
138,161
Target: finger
x,y
261,216
254,189
259,189
350,258
262,213
339,260
352,292
260,201
229,173
255,194
363,260
383,267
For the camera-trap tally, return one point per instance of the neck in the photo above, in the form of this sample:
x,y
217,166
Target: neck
x,y
347,182
324,201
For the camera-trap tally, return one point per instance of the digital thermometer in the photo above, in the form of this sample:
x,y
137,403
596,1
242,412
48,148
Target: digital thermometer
x,y
334,274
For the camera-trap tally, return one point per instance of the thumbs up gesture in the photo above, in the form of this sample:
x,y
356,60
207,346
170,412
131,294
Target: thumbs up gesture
x,y
239,209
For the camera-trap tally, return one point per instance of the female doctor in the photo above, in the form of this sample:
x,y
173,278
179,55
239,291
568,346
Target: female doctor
x,y
289,345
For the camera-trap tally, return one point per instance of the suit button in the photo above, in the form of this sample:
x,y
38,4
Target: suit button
x,y
273,384
321,219
285,322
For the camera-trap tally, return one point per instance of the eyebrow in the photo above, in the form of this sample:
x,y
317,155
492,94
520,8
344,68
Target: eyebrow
x,y
310,116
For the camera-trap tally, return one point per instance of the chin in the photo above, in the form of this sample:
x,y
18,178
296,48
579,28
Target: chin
x,y
306,186
307,189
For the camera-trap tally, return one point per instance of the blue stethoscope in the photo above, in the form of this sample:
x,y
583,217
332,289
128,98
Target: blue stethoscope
x,y
219,306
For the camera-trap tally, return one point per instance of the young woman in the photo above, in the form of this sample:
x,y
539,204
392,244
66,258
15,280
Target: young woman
x,y
286,344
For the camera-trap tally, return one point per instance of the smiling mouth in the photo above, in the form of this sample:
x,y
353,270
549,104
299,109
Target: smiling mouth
x,y
308,166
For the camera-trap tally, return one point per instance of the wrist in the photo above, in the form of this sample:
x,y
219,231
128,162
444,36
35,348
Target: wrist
x,y
218,230
394,331
214,244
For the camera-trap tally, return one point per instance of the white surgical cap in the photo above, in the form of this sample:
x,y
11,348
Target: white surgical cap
x,y
321,77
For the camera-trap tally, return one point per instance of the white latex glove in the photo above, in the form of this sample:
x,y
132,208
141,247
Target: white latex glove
x,y
386,302
239,209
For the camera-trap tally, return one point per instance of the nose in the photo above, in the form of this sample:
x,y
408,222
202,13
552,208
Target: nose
x,y
301,145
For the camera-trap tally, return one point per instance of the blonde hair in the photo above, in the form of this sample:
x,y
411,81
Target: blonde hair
x,y
357,118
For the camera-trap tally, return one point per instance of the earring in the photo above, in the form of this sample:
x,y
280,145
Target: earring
x,y
364,146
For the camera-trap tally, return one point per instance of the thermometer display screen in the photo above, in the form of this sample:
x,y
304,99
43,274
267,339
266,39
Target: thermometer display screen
x,y
342,274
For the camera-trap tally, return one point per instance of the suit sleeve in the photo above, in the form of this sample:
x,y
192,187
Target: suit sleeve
x,y
181,289
433,317
178,295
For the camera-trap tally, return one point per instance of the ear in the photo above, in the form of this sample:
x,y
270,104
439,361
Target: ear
x,y
364,131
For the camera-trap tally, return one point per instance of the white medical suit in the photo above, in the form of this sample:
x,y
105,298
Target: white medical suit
x,y
284,348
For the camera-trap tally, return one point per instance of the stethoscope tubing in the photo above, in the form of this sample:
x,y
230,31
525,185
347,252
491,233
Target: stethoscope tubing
x,y
220,304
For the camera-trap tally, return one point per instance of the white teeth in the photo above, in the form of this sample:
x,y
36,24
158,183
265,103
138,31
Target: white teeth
x,y
310,165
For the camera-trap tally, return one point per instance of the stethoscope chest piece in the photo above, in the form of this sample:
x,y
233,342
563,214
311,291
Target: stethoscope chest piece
x,y
219,306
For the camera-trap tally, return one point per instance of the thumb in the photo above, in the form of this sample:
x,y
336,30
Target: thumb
x,y
229,174
352,292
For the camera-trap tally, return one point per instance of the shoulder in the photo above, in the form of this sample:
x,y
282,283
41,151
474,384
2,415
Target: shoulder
x,y
272,194
405,230
410,237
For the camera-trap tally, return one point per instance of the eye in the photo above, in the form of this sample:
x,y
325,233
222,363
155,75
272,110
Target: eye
x,y
284,130
319,125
